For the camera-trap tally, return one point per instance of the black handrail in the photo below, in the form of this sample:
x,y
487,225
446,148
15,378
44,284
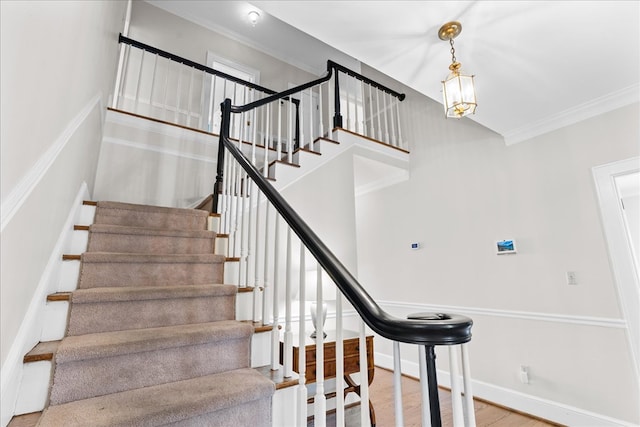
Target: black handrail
x,y
197,66
403,330
190,63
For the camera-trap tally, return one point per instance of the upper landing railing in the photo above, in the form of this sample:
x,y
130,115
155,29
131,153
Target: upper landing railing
x,y
166,87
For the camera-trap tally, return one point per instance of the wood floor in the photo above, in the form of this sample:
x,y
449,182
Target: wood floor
x,y
381,395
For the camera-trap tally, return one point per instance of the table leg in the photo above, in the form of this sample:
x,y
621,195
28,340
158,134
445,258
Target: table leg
x,y
355,388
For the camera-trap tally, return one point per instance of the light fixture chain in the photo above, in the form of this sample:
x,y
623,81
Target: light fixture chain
x,y
453,51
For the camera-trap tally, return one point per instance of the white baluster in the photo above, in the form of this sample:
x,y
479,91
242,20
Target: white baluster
x,y
153,81
365,420
400,141
233,123
288,335
311,120
378,114
290,107
347,83
279,135
254,127
166,88
456,398
386,119
340,419
424,386
178,94
302,338
256,282
212,97
320,401
265,166
468,393
203,76
357,96
275,334
242,278
371,131
233,193
392,119
224,196
189,96
124,49
397,385
119,75
136,98
321,115
265,278
250,242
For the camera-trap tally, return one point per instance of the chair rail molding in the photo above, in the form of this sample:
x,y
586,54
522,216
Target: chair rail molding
x,y
34,175
514,314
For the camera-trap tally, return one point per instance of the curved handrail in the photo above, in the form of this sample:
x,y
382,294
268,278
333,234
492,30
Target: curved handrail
x,y
284,94
412,331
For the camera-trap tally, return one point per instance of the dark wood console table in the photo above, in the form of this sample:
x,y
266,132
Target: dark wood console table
x,y
351,354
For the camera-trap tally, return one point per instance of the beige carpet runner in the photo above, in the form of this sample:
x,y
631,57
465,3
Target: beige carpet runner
x,y
151,338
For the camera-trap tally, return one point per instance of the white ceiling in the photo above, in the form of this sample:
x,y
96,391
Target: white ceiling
x,y
539,65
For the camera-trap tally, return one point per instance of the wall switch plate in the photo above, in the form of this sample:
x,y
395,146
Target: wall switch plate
x,y
571,278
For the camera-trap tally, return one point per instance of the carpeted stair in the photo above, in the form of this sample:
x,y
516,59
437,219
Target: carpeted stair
x,y
151,337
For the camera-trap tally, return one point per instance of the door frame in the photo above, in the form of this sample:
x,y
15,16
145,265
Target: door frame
x,y
619,247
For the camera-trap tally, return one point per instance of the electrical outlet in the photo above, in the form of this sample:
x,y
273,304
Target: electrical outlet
x,y
524,374
571,278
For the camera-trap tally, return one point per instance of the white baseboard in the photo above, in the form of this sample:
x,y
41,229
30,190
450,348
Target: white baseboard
x,y
30,330
539,407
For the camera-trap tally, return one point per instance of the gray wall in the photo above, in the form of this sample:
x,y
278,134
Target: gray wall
x,y
192,41
58,67
468,190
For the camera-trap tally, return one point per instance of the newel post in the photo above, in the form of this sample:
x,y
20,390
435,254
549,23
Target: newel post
x,y
224,133
337,117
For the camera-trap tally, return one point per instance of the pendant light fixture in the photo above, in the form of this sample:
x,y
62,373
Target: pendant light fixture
x,y
458,91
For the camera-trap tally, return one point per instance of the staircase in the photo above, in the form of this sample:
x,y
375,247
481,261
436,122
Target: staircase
x,y
152,337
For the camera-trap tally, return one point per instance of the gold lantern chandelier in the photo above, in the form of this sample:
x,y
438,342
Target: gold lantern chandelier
x,y
458,91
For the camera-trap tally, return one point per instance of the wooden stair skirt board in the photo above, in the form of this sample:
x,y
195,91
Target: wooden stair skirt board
x,y
152,335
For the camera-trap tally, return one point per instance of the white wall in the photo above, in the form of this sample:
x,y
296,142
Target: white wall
x,y
152,163
58,62
325,200
467,190
192,41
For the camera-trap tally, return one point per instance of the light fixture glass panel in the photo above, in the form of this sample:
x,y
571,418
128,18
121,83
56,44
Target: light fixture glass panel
x,y
459,95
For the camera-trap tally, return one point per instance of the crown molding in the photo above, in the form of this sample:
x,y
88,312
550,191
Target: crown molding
x,y
595,107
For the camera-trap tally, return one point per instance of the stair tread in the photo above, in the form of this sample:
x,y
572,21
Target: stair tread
x,y
115,257
142,293
278,377
150,208
110,344
42,351
147,231
164,403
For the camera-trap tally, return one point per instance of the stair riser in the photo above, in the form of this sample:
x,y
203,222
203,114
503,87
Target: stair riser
x,y
96,377
125,243
94,275
248,414
125,315
149,219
